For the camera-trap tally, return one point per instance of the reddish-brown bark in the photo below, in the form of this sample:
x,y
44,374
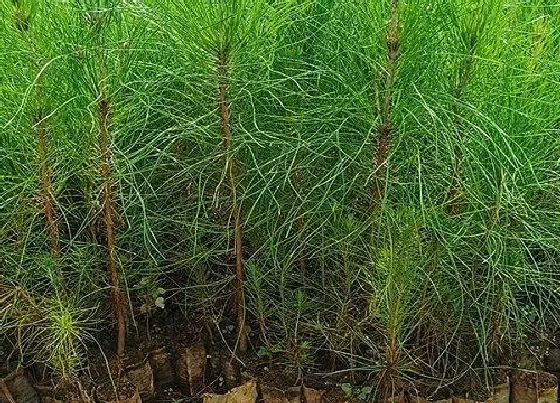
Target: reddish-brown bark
x,y
225,131
386,128
46,188
117,297
381,154
47,192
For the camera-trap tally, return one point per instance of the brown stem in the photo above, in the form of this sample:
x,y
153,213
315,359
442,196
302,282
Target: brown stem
x,y
47,193
239,289
225,130
388,382
117,297
7,394
46,190
386,128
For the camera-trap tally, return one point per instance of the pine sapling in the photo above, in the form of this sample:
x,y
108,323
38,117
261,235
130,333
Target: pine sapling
x,y
46,188
117,296
108,202
386,128
226,133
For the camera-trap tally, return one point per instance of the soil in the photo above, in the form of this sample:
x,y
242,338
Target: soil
x,y
336,396
108,392
429,389
533,386
170,361
473,387
16,387
534,379
552,360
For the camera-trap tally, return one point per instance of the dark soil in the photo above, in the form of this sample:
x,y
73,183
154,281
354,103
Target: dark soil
x,y
474,385
155,359
107,392
435,391
534,380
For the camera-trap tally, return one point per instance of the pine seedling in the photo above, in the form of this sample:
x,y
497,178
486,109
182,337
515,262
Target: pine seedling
x,y
98,20
22,22
222,69
393,279
66,327
223,43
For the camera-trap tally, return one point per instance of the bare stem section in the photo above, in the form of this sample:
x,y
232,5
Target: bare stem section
x,y
386,128
225,131
21,21
117,297
108,204
47,193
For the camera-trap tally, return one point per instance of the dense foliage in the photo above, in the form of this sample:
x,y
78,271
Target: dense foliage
x,y
375,179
